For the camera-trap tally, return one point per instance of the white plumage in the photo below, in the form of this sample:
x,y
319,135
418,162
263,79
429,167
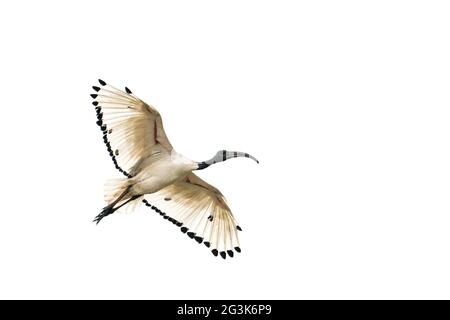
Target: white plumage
x,y
158,176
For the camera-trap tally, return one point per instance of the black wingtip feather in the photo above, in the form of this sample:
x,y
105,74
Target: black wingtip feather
x,y
128,90
223,254
239,228
94,95
96,88
230,253
191,234
237,249
199,239
103,83
184,229
215,252
207,244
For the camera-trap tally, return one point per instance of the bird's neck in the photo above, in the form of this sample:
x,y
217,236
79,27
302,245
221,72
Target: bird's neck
x,y
222,156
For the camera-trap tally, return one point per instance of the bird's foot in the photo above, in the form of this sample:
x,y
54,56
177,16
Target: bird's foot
x,y
105,212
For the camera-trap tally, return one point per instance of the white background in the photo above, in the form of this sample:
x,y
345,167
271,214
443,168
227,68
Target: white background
x,y
345,104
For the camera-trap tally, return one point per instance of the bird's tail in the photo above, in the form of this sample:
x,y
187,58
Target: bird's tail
x,y
115,190
117,196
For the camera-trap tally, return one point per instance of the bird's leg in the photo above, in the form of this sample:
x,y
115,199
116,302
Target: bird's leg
x,y
119,198
224,155
110,209
129,200
105,212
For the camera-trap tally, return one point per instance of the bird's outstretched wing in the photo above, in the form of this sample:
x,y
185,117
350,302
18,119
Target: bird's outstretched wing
x,y
200,211
132,129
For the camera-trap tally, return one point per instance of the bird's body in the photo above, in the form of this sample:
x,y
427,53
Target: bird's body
x,y
159,171
157,175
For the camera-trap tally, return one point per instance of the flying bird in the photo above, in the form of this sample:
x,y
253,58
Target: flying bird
x,y
158,176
